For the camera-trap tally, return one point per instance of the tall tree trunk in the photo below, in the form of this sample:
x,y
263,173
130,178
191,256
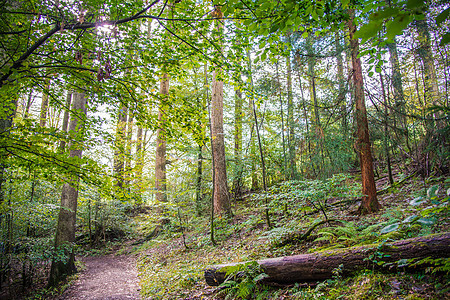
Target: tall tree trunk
x,y
432,94
432,97
305,116
65,230
139,165
7,113
119,157
221,195
65,124
129,144
237,141
261,154
341,88
369,202
386,132
44,104
282,123
399,98
26,112
313,96
290,120
160,160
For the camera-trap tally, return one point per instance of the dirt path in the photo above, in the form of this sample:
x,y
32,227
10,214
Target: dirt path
x,y
107,277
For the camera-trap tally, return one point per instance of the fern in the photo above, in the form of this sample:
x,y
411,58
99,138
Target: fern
x,y
242,280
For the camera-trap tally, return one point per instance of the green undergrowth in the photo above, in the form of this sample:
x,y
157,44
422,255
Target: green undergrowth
x,y
307,216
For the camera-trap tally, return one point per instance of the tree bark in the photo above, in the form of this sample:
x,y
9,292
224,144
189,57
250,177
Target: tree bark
x,y
237,141
119,159
282,123
221,195
341,87
65,124
65,230
320,266
386,132
369,203
399,98
129,144
160,160
44,104
290,120
432,94
139,165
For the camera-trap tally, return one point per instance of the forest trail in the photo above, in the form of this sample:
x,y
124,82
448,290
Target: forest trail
x,y
107,277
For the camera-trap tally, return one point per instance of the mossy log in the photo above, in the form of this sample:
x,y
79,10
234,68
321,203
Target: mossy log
x,y
320,265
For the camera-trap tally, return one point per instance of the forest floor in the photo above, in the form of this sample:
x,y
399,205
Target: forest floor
x,y
168,261
108,277
171,265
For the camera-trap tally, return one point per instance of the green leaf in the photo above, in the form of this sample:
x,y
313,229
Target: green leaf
x,y
425,221
402,263
384,14
389,228
410,219
368,30
345,3
264,56
396,26
417,201
442,16
445,39
274,27
432,191
414,4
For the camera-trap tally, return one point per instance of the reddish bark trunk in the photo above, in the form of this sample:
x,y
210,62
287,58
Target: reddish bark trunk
x,y
369,202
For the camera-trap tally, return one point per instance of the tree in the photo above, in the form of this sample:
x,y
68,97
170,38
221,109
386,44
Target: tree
x,y
221,195
160,160
119,151
369,203
290,119
63,265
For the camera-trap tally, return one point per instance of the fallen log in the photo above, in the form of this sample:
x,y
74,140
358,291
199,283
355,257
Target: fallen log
x,y
320,266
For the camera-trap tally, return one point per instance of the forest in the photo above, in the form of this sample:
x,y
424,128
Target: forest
x,y
235,149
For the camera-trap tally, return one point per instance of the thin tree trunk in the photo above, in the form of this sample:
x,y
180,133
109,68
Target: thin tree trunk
x,y
263,165
213,168
399,98
120,149
221,195
44,104
369,202
341,88
386,132
65,124
26,113
290,121
237,141
65,230
129,144
305,116
8,109
432,94
139,165
282,123
160,160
